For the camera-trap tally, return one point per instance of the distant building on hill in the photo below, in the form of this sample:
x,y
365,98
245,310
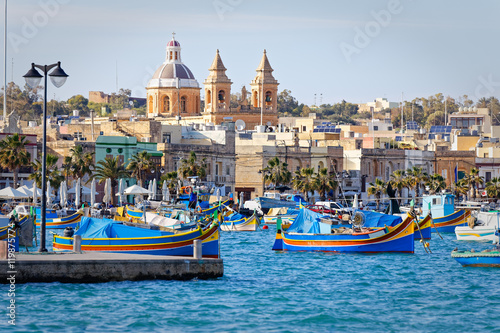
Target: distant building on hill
x,y
377,105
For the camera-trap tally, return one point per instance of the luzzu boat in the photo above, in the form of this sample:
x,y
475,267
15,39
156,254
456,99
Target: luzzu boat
x,y
483,228
238,222
287,215
308,233
4,228
423,230
111,236
487,258
442,208
211,210
134,213
54,222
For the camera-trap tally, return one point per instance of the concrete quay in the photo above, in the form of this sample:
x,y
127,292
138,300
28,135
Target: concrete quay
x,y
91,267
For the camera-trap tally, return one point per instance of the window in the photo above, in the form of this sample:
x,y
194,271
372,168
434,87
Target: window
x,y
170,55
228,170
108,150
175,55
221,96
166,137
268,98
487,176
166,104
436,201
183,104
120,150
304,128
208,97
375,128
150,104
389,128
444,173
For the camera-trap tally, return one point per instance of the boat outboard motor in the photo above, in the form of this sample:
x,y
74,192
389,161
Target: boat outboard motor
x,y
68,232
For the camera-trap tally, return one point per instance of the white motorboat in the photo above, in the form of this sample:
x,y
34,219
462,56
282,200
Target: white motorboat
x,y
483,228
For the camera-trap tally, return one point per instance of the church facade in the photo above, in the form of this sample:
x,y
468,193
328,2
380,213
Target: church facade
x,y
173,94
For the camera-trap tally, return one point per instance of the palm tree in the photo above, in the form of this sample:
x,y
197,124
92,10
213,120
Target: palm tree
x,y
13,154
171,179
473,180
461,188
140,163
79,164
110,168
377,189
191,167
304,181
276,173
398,181
493,188
435,183
415,177
324,182
54,175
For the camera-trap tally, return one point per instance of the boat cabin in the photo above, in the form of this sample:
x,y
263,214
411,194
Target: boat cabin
x,y
438,204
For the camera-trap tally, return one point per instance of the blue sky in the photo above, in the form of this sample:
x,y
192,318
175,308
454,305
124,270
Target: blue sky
x,y
352,50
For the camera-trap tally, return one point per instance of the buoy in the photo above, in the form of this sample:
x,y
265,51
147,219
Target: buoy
x,y
265,227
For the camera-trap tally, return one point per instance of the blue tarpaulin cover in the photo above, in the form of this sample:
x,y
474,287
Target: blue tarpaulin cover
x,y
106,228
379,220
309,222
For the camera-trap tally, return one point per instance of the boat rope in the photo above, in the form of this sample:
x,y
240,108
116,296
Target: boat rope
x,y
432,221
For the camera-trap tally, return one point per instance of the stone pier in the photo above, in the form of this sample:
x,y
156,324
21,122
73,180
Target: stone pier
x,y
90,267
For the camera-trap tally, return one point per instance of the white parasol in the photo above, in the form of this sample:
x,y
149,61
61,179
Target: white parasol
x,y
92,193
154,188
49,198
77,193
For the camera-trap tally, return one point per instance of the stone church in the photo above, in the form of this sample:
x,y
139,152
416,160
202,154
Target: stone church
x,y
173,93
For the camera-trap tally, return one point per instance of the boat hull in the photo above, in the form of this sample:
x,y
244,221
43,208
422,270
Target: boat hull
x,y
274,219
425,226
171,245
62,222
390,239
449,222
477,259
478,233
246,224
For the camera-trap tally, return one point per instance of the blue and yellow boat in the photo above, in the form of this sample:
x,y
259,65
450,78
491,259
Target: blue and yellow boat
x,y
239,222
444,216
423,230
54,222
111,236
308,233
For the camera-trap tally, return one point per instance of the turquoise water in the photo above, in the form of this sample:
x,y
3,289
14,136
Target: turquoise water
x,y
263,290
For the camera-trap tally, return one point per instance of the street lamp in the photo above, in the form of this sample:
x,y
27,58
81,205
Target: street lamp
x,y
33,78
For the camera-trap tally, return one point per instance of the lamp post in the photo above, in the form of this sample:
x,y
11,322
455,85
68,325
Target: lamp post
x,y
33,78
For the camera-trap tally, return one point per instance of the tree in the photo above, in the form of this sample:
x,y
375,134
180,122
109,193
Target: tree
x,y
140,163
54,175
276,173
493,188
324,182
473,180
13,154
377,189
286,102
78,102
191,167
415,177
171,179
398,181
110,168
304,181
461,188
78,164
435,183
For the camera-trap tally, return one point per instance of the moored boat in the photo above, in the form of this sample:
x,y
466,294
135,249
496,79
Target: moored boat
x,y
307,233
238,222
61,222
444,215
284,213
481,228
111,236
487,258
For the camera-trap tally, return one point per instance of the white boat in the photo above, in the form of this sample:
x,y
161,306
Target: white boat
x,y
480,228
287,215
274,200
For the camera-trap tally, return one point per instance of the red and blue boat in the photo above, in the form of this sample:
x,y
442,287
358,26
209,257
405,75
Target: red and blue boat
x,y
112,236
308,233
444,216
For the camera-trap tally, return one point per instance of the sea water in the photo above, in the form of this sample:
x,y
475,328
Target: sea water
x,y
263,290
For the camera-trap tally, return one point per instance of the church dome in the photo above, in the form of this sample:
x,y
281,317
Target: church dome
x,y
173,73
